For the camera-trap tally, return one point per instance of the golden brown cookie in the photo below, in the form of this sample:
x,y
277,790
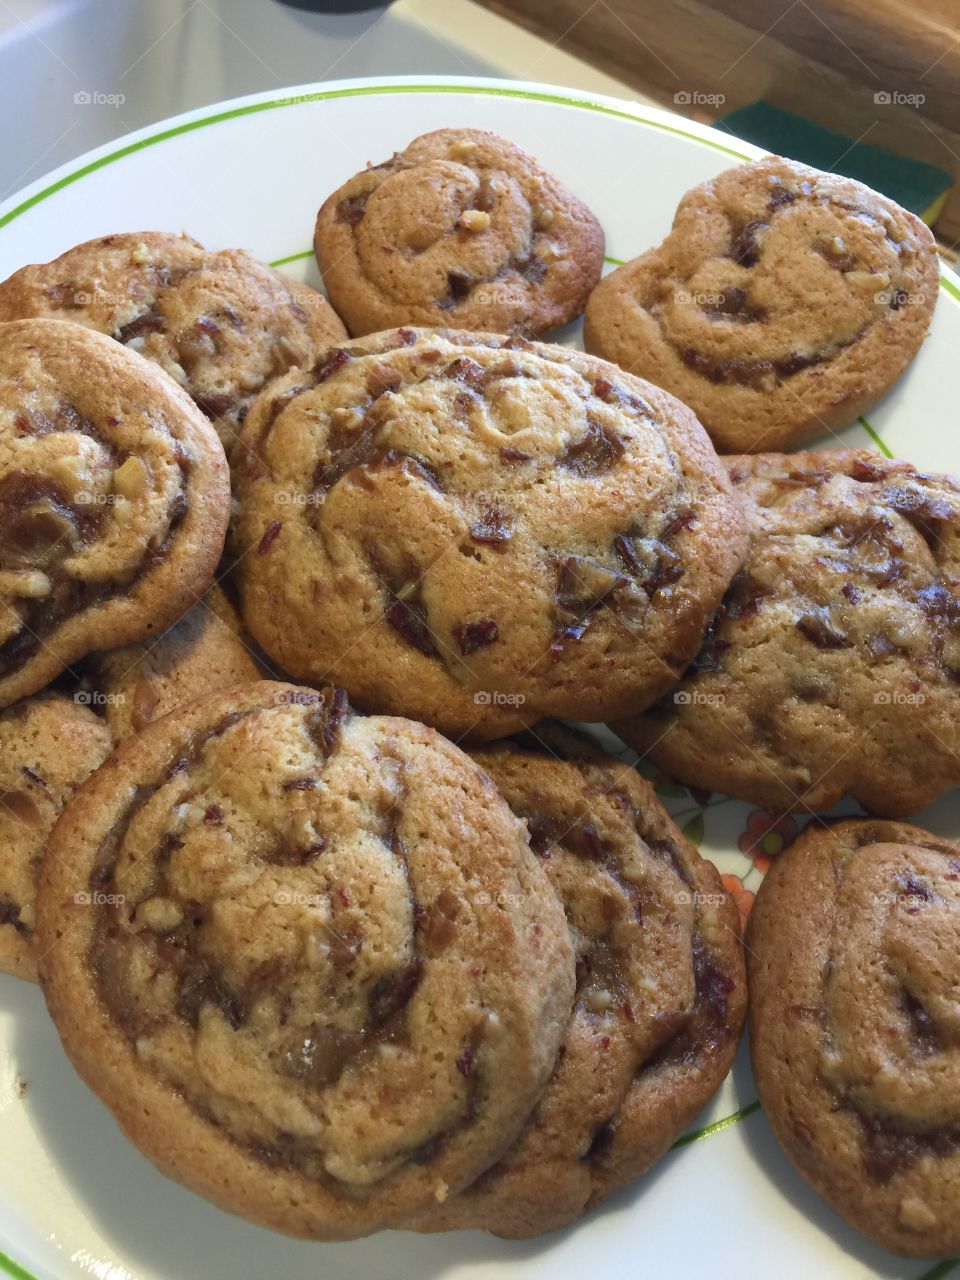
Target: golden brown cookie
x,y
833,664
114,499
205,651
221,324
313,967
854,967
782,305
461,229
48,744
478,531
661,995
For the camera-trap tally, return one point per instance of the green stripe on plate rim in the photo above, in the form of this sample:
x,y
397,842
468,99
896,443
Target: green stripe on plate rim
x,y
358,91
941,1269
718,1126
11,1268
371,90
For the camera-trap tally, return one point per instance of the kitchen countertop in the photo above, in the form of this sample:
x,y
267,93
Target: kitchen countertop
x,y
78,73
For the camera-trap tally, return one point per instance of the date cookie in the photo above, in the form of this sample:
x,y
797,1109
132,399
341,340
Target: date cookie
x,y
833,664
660,997
478,531
114,500
783,303
854,967
205,651
221,324
462,229
318,976
48,745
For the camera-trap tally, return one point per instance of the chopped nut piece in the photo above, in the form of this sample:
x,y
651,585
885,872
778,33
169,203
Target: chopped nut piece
x,y
462,147
25,584
598,1001
160,915
544,217
141,255
916,1214
131,479
475,220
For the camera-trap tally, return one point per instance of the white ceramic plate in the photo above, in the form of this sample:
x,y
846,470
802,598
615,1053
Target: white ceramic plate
x,y
75,1197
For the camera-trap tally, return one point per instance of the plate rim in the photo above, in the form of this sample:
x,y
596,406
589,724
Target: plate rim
x,y
167,128
56,180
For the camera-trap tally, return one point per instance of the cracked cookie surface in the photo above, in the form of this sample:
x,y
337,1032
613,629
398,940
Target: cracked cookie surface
x,y
660,997
833,664
852,953
461,229
478,531
221,324
318,975
782,305
114,499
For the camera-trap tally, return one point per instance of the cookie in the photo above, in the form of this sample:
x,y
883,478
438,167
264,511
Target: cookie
x,y
114,500
853,967
221,324
660,998
478,531
783,304
48,745
205,651
462,229
833,664
318,975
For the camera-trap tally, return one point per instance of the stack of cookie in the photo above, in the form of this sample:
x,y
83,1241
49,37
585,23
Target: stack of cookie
x,y
334,970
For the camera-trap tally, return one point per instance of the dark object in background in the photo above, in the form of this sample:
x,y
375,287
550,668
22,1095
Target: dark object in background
x,y
335,6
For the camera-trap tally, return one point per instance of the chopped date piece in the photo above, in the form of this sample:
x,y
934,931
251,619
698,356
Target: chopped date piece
x,y
532,268
596,453
866,471
509,455
324,724
321,1057
216,406
409,619
468,372
352,210
745,249
583,583
491,528
437,924
269,537
391,994
471,636
149,322
820,632
331,362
